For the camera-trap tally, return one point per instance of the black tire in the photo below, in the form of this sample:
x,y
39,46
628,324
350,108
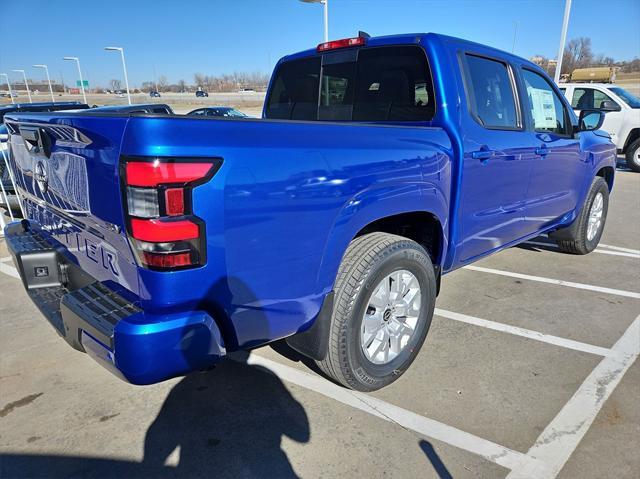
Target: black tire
x,y
633,156
574,239
368,260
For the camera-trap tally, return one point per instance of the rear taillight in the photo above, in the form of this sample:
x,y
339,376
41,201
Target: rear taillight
x,y
163,229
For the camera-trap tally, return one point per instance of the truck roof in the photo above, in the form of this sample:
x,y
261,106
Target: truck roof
x,y
417,38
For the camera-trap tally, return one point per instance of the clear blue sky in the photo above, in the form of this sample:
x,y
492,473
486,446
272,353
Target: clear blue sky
x,y
211,37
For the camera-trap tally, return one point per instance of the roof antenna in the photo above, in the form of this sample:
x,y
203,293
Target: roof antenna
x,y
363,34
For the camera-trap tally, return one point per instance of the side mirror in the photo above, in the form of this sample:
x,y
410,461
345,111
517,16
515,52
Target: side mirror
x,y
4,137
609,105
590,120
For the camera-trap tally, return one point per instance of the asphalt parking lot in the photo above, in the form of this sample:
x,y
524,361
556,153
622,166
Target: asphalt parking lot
x,y
529,370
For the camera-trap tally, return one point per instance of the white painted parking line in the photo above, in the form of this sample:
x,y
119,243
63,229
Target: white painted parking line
x,y
409,420
570,284
563,435
526,333
9,270
619,248
597,250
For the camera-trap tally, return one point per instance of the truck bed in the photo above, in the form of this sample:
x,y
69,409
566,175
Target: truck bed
x,y
286,201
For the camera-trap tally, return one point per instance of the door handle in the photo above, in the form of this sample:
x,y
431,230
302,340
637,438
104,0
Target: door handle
x,y
483,154
542,151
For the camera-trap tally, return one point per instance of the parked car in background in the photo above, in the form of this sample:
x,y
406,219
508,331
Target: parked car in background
x,y
154,94
149,109
171,241
218,111
622,114
201,93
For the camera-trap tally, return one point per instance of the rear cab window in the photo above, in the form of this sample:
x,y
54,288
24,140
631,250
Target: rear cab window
x,y
390,83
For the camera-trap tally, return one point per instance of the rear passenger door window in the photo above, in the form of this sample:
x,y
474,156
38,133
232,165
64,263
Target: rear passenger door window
x,y
548,113
490,92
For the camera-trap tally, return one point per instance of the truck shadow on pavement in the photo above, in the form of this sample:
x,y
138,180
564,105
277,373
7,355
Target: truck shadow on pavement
x,y
228,422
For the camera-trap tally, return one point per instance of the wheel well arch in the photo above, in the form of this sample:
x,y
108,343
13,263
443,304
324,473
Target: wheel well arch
x,y
420,226
607,173
634,134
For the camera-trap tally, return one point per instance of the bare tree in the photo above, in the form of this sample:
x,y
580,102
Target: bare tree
x,y
182,86
198,79
603,60
148,86
162,83
577,54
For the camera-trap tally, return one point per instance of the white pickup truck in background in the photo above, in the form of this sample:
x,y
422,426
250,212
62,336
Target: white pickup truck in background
x,y
622,119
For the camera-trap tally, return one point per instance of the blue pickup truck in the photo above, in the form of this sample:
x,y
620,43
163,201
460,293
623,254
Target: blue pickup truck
x,y
158,244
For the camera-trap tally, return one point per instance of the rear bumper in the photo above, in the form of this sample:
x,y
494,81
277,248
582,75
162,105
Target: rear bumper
x,y
139,347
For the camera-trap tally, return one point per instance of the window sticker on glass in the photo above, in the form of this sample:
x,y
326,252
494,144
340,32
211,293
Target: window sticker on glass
x,y
543,109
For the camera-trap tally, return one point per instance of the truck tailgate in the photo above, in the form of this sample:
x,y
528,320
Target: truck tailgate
x,y
68,178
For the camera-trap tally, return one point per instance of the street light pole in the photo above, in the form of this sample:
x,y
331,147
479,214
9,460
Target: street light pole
x,y
563,38
48,80
9,85
124,67
77,60
326,20
515,35
326,15
24,75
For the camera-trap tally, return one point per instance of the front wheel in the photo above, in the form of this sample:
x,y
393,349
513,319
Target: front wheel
x,y
583,236
384,300
633,156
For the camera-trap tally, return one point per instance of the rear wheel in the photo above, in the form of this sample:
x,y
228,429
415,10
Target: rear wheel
x,y
583,236
633,156
384,300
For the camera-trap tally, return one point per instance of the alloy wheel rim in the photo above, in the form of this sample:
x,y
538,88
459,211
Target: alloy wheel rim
x,y
595,216
390,319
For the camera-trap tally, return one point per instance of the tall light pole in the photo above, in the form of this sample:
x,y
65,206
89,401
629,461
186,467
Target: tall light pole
x,y
9,85
326,15
48,80
77,60
24,75
515,35
124,67
563,38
